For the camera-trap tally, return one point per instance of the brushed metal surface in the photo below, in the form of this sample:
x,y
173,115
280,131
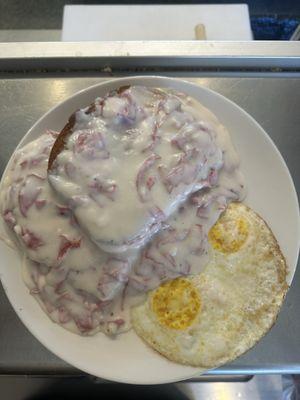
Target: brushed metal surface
x,y
29,35
267,387
20,56
274,103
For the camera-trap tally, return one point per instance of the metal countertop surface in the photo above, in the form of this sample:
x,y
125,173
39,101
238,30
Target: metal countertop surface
x,y
273,102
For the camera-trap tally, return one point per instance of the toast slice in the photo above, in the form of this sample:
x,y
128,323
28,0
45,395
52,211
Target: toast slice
x,y
67,130
125,163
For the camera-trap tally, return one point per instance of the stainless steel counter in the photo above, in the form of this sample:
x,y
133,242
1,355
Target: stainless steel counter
x,y
274,103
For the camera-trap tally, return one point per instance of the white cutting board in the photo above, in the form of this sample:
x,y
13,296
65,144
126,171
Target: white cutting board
x,y
155,22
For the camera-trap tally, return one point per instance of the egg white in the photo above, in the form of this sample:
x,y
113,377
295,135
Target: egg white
x,y
240,291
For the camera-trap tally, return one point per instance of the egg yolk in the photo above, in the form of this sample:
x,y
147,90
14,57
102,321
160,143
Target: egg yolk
x,y
228,234
176,303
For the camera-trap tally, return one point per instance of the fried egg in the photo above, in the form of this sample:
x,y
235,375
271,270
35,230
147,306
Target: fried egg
x,y
209,319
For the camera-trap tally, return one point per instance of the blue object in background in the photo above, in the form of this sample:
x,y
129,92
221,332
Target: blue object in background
x,y
272,28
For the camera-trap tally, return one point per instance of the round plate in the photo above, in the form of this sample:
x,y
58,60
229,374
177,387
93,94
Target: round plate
x,y
127,358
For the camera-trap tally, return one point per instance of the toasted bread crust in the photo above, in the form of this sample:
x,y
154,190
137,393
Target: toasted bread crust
x,y
61,140
67,130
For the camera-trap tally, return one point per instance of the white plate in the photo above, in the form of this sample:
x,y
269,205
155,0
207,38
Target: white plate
x,y
270,192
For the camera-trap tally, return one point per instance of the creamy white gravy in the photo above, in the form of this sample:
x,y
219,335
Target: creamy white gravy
x,y
80,286
131,162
